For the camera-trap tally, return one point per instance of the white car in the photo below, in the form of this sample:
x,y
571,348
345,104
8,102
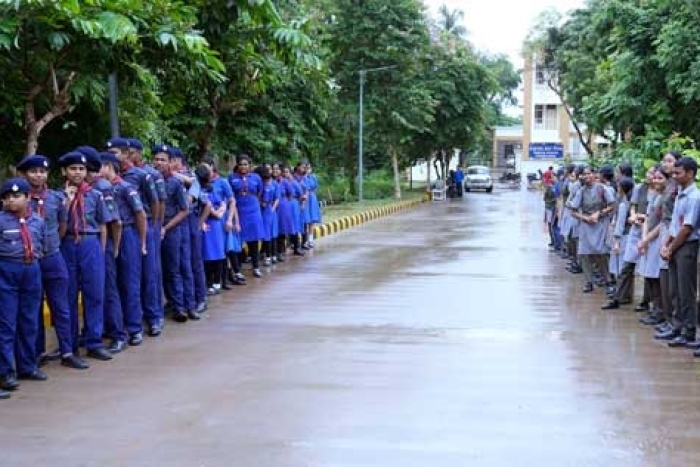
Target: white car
x,y
478,177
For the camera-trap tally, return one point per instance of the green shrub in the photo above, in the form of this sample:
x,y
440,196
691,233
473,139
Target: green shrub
x,y
378,184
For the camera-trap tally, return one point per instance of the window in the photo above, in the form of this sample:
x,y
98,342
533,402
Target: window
x,y
539,75
546,117
509,150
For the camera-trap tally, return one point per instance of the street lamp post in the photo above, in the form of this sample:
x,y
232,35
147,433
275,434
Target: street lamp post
x,y
360,149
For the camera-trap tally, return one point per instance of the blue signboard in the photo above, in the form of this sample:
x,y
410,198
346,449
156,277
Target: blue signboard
x,y
546,151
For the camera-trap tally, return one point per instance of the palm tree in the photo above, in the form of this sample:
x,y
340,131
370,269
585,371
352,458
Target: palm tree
x,y
451,21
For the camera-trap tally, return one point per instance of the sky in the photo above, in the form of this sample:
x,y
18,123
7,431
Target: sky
x,y
500,26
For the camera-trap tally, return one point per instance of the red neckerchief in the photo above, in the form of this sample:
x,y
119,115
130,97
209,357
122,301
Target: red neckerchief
x,y
77,209
117,179
167,174
26,235
40,195
214,175
125,165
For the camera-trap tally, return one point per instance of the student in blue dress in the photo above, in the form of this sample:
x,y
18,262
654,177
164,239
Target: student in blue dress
x,y
285,214
312,203
295,201
83,249
247,188
132,248
269,199
300,176
22,245
50,206
211,220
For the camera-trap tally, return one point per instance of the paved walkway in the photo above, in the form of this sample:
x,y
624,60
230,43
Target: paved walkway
x,y
443,336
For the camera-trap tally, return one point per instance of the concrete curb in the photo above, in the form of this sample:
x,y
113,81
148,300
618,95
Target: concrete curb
x,y
347,222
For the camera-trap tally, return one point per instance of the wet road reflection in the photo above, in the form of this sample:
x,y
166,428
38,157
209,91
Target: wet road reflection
x,y
443,336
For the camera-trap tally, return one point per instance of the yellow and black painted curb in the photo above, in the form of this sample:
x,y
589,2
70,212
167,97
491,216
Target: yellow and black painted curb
x,y
347,222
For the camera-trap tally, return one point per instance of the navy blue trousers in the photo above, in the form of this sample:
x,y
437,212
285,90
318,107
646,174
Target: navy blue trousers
x,y
20,295
54,281
199,278
129,265
172,277
151,288
186,266
114,316
86,272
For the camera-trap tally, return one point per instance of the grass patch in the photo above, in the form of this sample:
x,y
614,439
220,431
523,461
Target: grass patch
x,y
336,211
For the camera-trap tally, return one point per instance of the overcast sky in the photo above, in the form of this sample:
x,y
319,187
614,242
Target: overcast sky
x,y
499,26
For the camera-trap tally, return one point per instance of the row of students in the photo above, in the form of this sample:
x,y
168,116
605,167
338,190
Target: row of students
x,y
613,230
134,241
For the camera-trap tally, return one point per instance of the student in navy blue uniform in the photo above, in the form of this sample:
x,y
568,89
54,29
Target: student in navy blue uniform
x,y
49,205
132,248
113,314
21,245
146,187
175,213
187,265
83,250
136,157
247,188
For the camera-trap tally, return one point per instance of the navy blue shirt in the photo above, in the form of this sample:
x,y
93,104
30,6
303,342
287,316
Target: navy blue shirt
x,y
11,245
94,215
49,204
128,202
176,199
103,186
144,183
158,181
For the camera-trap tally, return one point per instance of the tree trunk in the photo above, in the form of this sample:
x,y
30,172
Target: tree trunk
x,y
397,174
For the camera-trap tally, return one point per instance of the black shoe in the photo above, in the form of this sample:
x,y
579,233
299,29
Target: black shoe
x,y
155,329
588,288
679,341
651,320
9,382
180,317
36,375
193,315
116,346
49,357
136,339
642,307
77,363
693,344
667,335
99,354
612,305
663,327
4,394
299,253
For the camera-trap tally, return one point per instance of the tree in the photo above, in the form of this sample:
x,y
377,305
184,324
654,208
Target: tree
x,y
451,22
60,52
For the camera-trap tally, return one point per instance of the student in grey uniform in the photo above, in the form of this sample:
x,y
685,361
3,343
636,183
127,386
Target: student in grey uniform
x,y
638,210
668,322
574,186
623,270
592,205
680,249
650,244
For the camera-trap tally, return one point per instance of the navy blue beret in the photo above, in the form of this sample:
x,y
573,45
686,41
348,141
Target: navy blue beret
x,y
73,158
109,158
120,143
31,162
135,143
14,185
162,148
94,162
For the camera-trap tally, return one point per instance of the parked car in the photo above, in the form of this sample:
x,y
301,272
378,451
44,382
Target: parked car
x,y
478,177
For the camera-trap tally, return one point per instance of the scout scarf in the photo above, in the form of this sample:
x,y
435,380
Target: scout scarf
x,y
77,209
26,235
40,196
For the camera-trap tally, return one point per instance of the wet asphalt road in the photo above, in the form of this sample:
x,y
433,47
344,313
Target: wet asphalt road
x,y
444,336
